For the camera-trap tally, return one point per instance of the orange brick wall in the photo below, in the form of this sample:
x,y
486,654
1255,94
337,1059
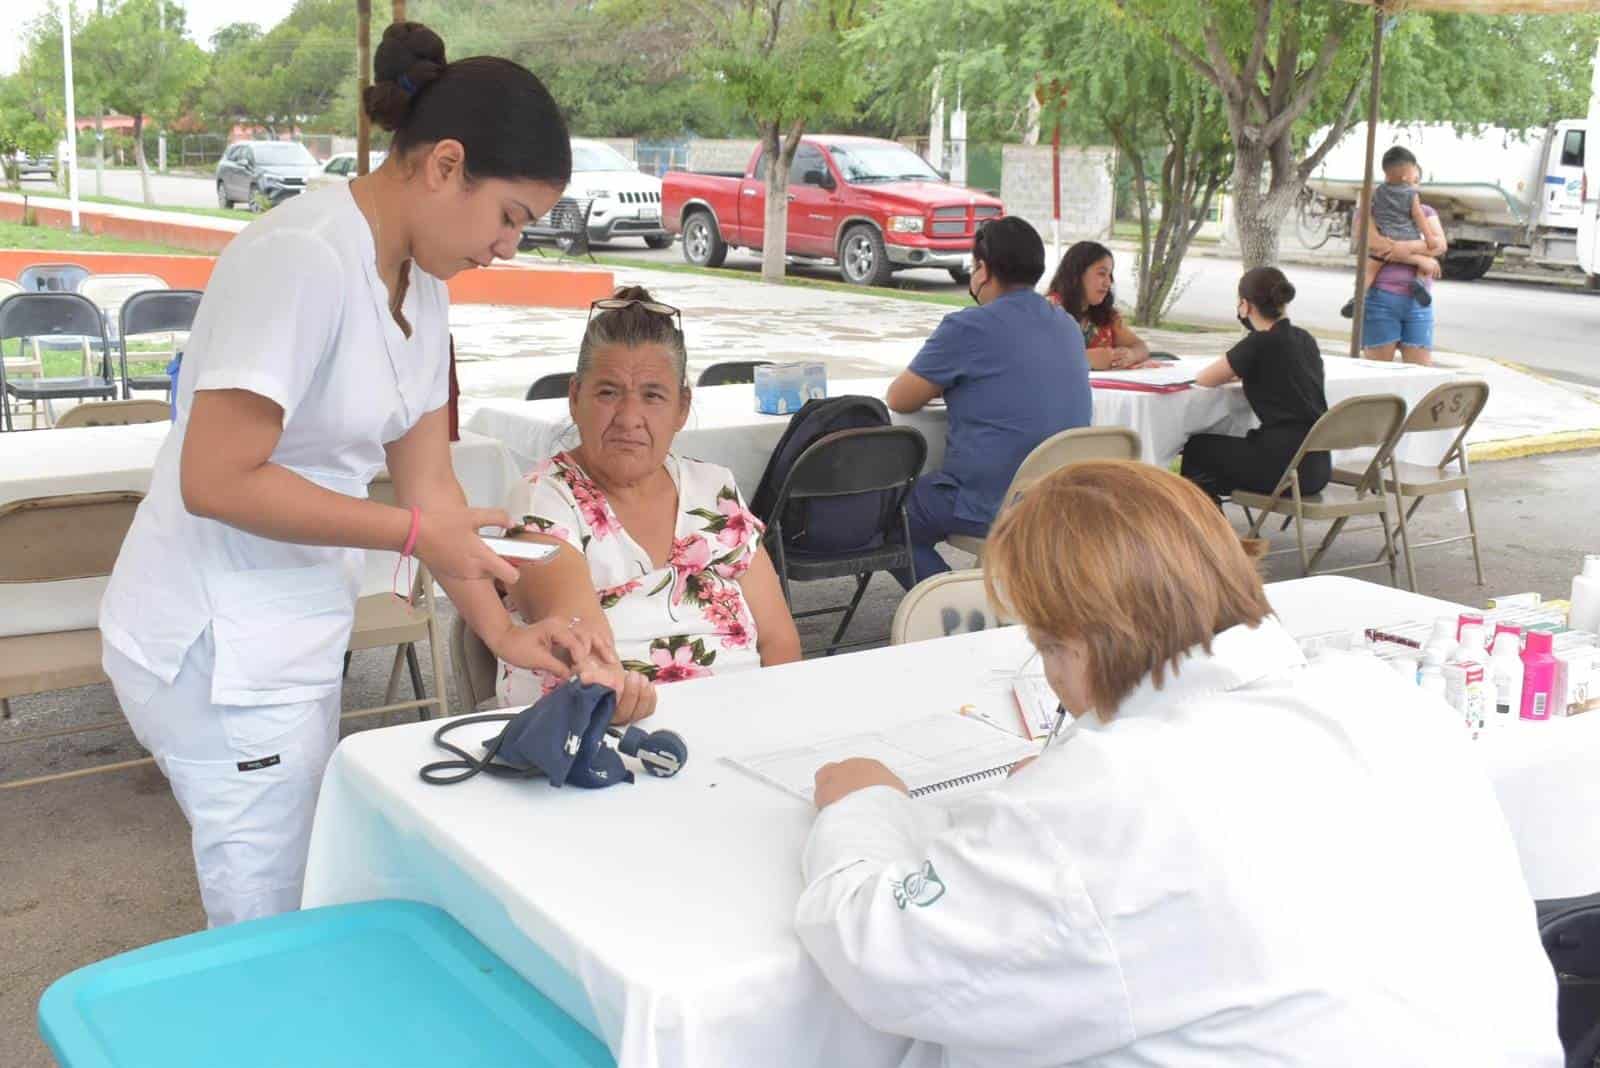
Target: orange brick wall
x,y
544,287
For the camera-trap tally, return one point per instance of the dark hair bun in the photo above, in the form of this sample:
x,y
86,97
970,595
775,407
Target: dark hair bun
x,y
632,293
1283,292
410,57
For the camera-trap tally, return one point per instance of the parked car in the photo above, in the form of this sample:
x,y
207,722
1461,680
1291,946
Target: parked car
x,y
607,196
341,167
260,174
873,206
27,164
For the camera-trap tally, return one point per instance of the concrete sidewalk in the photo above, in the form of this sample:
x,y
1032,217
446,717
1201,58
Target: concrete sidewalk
x,y
502,350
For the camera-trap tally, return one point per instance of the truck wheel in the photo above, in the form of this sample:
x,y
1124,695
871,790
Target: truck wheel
x,y
222,197
960,275
702,244
1480,267
659,241
862,258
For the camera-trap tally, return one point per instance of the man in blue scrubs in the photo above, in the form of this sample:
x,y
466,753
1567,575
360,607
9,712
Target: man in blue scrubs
x,y
1012,372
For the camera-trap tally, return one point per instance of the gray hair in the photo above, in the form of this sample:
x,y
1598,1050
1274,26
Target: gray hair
x,y
631,327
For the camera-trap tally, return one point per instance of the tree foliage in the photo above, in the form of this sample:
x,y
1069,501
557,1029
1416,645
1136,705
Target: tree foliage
x,y
1101,80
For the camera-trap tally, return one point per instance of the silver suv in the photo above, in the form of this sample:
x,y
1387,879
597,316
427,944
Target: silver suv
x,y
260,174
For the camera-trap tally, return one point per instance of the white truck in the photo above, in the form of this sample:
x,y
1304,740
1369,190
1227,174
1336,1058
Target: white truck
x,y
1495,190
1588,224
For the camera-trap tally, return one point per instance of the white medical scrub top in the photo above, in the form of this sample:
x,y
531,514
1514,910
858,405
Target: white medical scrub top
x,y
295,311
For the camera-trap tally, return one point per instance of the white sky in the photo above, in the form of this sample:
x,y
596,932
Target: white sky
x,y
205,17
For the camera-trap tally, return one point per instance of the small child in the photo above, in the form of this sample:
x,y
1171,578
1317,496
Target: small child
x,y
1397,212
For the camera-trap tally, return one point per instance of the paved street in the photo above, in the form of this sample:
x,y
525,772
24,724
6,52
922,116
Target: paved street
x,y
1490,317
170,190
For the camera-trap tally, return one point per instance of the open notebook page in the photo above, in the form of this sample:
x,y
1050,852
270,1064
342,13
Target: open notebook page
x,y
936,754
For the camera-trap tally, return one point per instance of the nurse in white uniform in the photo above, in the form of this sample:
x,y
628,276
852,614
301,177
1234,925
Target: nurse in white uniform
x,y
320,355
1232,858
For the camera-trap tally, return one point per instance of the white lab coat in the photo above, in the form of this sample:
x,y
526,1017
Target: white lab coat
x,y
1262,863
294,311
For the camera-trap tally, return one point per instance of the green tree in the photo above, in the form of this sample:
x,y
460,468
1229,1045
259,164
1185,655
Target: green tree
x,y
1292,72
149,66
1118,85
294,75
25,125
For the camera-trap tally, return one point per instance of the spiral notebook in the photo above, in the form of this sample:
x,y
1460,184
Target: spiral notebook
x,y
938,754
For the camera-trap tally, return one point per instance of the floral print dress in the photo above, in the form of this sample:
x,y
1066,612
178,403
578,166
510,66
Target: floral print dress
x,y
680,621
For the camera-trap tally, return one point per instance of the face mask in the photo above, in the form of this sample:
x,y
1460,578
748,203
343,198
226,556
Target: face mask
x,y
1244,321
973,293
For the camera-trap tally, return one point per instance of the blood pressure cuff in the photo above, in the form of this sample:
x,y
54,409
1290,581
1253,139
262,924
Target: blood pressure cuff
x,y
562,735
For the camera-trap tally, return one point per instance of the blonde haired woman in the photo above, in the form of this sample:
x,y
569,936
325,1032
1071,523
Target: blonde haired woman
x,y
1234,857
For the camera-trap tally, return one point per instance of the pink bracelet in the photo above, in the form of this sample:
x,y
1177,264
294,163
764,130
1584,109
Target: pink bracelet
x,y
411,538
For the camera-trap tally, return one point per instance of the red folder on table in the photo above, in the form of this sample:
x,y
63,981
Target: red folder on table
x,y
1139,387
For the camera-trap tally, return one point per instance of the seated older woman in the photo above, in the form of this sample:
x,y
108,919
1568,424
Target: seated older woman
x,y
1214,865
657,551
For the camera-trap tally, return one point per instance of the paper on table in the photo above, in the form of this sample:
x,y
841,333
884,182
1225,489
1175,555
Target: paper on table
x,y
935,754
1162,375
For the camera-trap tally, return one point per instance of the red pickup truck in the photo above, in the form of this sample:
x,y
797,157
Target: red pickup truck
x,y
874,206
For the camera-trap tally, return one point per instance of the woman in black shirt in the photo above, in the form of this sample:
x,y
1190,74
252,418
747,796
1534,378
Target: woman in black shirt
x,y
1281,368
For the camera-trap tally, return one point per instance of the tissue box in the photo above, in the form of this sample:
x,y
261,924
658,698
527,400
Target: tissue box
x,y
782,388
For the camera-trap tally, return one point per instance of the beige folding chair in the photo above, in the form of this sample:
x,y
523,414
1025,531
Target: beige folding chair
x,y
951,603
54,539
1057,451
1356,423
382,620
1453,406
22,365
474,666
115,413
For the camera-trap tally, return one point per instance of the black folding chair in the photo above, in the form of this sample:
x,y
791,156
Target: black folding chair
x,y
37,315
731,373
882,461
1570,930
549,387
154,311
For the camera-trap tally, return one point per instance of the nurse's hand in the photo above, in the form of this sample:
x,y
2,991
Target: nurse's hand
x,y
555,646
840,780
636,695
448,542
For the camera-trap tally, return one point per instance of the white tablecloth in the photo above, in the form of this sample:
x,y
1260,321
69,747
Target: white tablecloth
x,y
660,914
724,427
95,459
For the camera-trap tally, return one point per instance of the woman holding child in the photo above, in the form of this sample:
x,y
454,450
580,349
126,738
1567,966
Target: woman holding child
x,y
1405,240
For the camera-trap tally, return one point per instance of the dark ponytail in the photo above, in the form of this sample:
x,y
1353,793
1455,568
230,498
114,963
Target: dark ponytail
x,y
1267,290
504,117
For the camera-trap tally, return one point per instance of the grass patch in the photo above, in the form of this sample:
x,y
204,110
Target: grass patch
x,y
215,213
15,235
62,362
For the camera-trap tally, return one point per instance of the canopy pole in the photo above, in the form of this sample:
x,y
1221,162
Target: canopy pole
x,y
1364,205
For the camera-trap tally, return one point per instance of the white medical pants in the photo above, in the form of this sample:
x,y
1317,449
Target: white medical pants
x,y
246,778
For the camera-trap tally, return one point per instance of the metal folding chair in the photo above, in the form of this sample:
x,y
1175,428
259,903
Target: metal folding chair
x,y
1355,423
882,461
1053,453
38,315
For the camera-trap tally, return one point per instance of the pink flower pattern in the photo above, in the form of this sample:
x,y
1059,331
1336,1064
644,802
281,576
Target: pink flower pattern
x,y
676,666
715,543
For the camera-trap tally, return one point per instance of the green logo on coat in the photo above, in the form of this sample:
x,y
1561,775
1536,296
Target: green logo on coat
x,y
920,888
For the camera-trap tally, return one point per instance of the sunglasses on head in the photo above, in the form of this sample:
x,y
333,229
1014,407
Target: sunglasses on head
x,y
606,304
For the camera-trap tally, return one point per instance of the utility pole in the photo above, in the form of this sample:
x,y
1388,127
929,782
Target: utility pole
x,y
72,115
363,80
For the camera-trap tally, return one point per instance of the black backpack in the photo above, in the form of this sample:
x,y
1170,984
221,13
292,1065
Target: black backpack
x,y
838,524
